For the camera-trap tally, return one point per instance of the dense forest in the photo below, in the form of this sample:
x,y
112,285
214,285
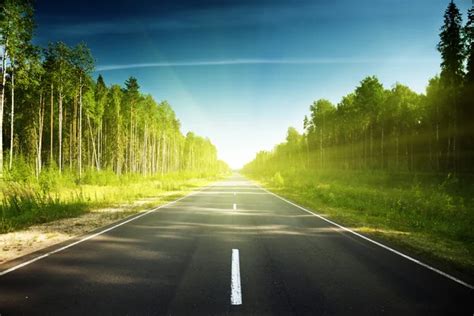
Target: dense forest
x,y
54,115
393,129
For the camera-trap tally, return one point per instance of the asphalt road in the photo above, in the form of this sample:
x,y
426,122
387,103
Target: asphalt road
x,y
179,260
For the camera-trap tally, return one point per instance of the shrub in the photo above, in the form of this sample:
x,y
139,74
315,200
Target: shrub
x,y
277,180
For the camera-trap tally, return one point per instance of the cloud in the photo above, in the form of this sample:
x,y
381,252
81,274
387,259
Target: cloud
x,y
263,61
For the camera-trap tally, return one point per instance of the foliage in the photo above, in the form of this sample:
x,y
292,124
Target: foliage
x,y
277,180
428,213
55,196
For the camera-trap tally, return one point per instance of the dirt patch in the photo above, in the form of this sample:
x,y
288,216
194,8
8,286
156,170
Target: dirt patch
x,y
22,242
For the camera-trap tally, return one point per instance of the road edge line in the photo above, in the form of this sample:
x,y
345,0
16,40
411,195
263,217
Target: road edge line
x,y
28,262
425,265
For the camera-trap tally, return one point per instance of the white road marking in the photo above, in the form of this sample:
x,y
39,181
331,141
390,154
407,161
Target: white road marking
x,y
21,265
234,194
235,289
235,206
453,278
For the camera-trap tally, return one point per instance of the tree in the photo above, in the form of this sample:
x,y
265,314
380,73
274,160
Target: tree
x,y
369,98
451,47
321,112
467,102
469,36
131,99
113,147
83,64
58,61
16,28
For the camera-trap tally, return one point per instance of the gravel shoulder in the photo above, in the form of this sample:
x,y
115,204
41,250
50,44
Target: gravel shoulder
x,y
22,242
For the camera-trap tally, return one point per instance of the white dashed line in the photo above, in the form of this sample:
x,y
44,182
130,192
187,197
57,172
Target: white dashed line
x,y
235,289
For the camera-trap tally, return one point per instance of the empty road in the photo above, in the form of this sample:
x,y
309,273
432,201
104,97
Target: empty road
x,y
231,248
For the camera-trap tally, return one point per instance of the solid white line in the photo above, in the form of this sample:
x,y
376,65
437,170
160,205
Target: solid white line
x,y
235,289
235,206
453,278
21,265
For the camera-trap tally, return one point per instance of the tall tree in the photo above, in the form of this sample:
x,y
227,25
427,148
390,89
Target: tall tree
x,y
131,99
469,35
467,110
16,28
451,47
83,63
58,60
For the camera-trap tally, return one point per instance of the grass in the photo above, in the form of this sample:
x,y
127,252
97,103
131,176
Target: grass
x,y
28,202
427,215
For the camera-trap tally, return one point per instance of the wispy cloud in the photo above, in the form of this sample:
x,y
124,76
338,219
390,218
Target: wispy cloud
x,y
257,61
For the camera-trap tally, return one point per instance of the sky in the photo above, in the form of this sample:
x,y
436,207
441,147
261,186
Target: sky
x,y
242,72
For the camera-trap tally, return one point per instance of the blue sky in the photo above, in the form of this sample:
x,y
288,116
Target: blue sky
x,y
242,72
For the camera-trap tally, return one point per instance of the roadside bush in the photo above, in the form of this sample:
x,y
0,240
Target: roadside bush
x,y
101,178
24,205
277,180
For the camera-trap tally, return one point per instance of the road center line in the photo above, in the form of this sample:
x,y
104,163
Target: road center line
x,y
235,289
235,206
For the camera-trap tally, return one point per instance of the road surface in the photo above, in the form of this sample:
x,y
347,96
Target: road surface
x,y
231,248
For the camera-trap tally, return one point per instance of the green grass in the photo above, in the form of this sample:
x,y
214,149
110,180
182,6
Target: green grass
x,y
429,215
27,202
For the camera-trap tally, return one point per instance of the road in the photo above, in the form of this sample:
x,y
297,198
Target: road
x,y
231,248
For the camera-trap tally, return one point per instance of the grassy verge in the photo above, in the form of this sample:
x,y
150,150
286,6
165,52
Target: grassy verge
x,y
31,202
427,215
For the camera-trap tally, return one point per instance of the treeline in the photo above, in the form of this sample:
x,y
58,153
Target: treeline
x,y
393,129
58,116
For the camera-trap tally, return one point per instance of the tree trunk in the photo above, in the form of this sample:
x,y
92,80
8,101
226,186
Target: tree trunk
x,y
397,151
70,139
40,134
130,142
371,158
94,152
12,117
321,155
51,147
79,137
2,104
73,135
60,131
163,151
144,158
382,149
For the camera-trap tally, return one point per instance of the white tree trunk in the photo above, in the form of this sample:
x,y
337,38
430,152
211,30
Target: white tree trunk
x,y
51,147
60,131
79,158
12,116
2,103
40,133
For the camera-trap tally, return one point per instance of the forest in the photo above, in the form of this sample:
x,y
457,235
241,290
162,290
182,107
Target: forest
x,y
390,159
62,128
